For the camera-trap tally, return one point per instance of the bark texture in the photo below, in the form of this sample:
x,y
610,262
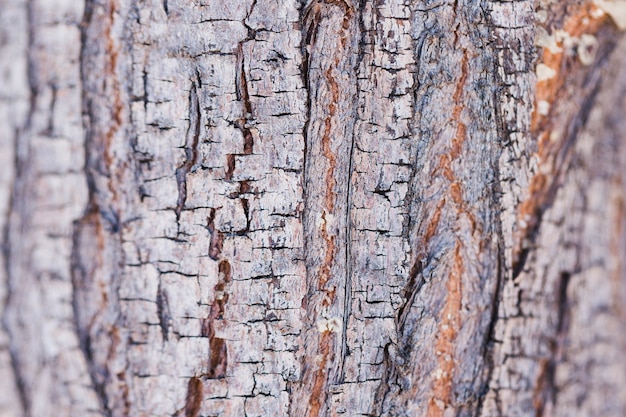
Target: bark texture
x,y
312,208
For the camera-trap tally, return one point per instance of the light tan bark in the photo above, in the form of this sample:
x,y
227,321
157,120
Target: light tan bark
x,y
268,208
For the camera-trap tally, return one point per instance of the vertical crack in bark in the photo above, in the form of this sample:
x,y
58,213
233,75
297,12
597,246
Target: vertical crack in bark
x,y
31,70
191,149
53,102
230,166
243,95
217,237
218,353
490,338
310,16
347,304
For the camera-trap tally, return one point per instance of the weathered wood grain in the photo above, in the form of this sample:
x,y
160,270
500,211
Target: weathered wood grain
x,y
312,208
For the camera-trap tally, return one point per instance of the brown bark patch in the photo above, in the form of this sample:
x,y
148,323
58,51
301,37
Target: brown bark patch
x,y
218,350
194,397
112,87
230,167
318,395
461,130
331,182
217,237
218,358
450,320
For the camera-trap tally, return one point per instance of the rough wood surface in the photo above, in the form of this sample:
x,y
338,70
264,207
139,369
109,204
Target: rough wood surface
x,y
312,208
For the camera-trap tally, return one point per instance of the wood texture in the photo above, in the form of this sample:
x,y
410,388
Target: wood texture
x,y
312,208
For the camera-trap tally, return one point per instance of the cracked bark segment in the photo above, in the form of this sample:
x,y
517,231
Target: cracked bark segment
x,y
513,28
568,279
47,194
327,26
443,318
541,340
377,242
209,231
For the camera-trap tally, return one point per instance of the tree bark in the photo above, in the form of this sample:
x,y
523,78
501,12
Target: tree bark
x,y
312,208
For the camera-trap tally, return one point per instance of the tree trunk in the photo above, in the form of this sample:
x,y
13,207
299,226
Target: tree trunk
x,y
320,208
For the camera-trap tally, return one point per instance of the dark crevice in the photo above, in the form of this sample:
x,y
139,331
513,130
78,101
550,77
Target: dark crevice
x,y
53,102
144,77
496,201
191,148
217,237
163,311
308,22
218,358
412,288
305,75
241,81
389,375
310,16
520,262
245,187
563,318
490,338
347,307
246,210
218,352
199,78
243,95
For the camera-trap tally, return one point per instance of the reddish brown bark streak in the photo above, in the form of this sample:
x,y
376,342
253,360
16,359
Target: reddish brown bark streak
x,y
450,316
194,397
